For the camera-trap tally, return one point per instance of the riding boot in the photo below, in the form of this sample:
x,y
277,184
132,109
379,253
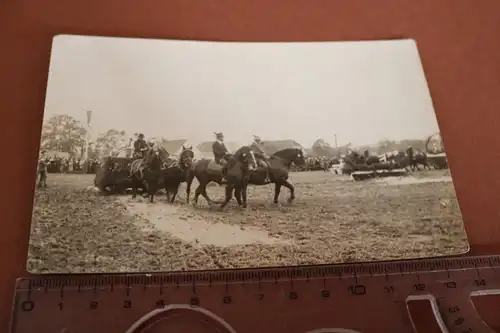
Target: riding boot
x,y
223,180
268,178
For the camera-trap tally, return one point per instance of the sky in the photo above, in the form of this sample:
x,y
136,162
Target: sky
x,y
363,92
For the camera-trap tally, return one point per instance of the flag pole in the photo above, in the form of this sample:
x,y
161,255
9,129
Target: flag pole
x,y
87,139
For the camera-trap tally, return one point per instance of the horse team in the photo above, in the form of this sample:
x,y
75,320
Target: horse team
x,y
156,167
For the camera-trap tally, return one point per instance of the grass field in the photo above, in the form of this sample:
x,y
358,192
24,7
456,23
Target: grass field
x,y
333,220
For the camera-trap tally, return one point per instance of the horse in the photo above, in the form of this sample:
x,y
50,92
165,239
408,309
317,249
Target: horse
x,y
237,171
207,171
419,158
148,171
279,168
178,172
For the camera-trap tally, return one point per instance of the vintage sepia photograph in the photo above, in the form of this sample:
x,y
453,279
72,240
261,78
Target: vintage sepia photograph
x,y
167,155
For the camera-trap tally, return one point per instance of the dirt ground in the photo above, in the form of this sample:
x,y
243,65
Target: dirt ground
x,y
77,230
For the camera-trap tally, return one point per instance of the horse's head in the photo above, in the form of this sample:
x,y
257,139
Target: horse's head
x,y
246,156
186,157
293,155
156,155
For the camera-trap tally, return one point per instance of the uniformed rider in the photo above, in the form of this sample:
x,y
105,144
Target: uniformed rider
x,y
263,163
140,146
366,154
220,152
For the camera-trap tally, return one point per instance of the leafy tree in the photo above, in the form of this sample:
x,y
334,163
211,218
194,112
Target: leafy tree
x,y
63,133
111,142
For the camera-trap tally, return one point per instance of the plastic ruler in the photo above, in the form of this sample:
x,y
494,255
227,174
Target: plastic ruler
x,y
371,297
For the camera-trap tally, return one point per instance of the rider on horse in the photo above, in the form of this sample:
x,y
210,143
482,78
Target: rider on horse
x,y
366,154
140,146
257,146
220,152
410,153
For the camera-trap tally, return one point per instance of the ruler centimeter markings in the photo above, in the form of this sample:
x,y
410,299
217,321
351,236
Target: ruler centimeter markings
x,y
368,297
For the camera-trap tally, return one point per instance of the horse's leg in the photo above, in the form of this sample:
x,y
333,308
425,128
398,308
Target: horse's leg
x,y
237,195
287,184
197,193
244,189
175,191
277,189
134,187
205,195
189,181
167,192
201,189
229,194
152,190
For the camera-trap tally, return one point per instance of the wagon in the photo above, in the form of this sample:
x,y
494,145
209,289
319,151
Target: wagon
x,y
112,176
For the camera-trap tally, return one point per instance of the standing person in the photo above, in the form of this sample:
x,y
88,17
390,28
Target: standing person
x,y
220,152
42,170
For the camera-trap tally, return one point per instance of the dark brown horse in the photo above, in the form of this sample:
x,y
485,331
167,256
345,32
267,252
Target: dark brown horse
x,y
279,168
147,171
178,172
419,158
207,171
237,176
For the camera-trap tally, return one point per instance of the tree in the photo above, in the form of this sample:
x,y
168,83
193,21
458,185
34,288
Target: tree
x,y
159,140
111,142
63,133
